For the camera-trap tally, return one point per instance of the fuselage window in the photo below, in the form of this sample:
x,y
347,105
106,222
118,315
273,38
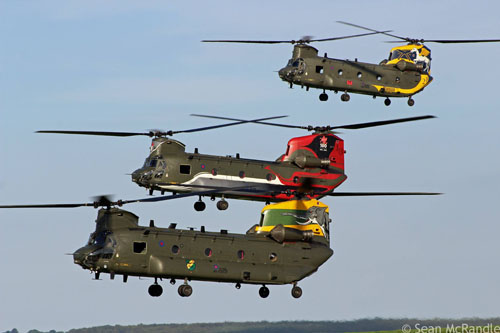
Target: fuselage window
x,y
242,174
175,249
241,254
140,247
319,69
185,169
208,252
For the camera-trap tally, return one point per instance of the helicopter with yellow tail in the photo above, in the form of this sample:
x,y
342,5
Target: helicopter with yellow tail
x,y
406,72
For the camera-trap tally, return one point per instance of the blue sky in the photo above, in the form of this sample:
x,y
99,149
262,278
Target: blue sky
x,y
136,65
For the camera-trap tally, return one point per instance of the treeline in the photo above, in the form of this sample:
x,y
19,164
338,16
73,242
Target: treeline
x,y
360,325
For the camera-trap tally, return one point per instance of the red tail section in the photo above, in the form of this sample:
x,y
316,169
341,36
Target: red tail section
x,y
316,150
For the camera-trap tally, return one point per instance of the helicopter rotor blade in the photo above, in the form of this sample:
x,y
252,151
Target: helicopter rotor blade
x,y
414,40
101,133
328,128
104,201
350,36
88,204
303,40
460,41
258,122
382,122
373,30
156,133
225,125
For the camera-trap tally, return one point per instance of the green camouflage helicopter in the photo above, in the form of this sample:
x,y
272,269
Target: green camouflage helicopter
x,y
290,242
404,73
315,160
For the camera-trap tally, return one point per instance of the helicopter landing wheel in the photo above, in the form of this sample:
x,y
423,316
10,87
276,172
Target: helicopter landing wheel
x,y
155,290
411,101
238,285
387,101
296,292
323,97
345,97
222,204
185,290
264,292
199,206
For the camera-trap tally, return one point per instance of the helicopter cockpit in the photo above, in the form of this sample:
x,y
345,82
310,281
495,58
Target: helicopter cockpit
x,y
413,53
295,66
298,64
101,245
153,167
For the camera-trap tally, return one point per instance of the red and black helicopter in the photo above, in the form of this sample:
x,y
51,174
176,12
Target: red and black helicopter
x,y
312,166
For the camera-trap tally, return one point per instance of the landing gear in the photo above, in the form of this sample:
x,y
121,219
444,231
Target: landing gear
x,y
387,101
155,290
411,101
345,97
238,285
199,205
264,292
323,97
296,291
185,290
222,204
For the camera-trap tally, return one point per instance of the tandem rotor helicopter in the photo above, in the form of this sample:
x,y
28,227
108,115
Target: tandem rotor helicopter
x,y
313,162
406,72
289,243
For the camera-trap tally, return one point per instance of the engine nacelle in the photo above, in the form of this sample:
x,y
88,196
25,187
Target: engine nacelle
x,y
409,66
311,162
282,234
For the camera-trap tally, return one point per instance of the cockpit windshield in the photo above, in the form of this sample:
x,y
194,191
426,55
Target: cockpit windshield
x,y
153,162
98,238
404,54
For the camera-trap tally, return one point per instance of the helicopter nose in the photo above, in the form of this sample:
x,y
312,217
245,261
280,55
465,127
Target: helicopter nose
x,y
80,255
282,73
136,176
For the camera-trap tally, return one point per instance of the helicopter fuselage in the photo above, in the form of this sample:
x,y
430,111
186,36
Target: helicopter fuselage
x,y
170,168
119,246
307,69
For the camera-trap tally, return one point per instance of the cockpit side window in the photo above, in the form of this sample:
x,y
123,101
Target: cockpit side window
x,y
298,62
162,164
